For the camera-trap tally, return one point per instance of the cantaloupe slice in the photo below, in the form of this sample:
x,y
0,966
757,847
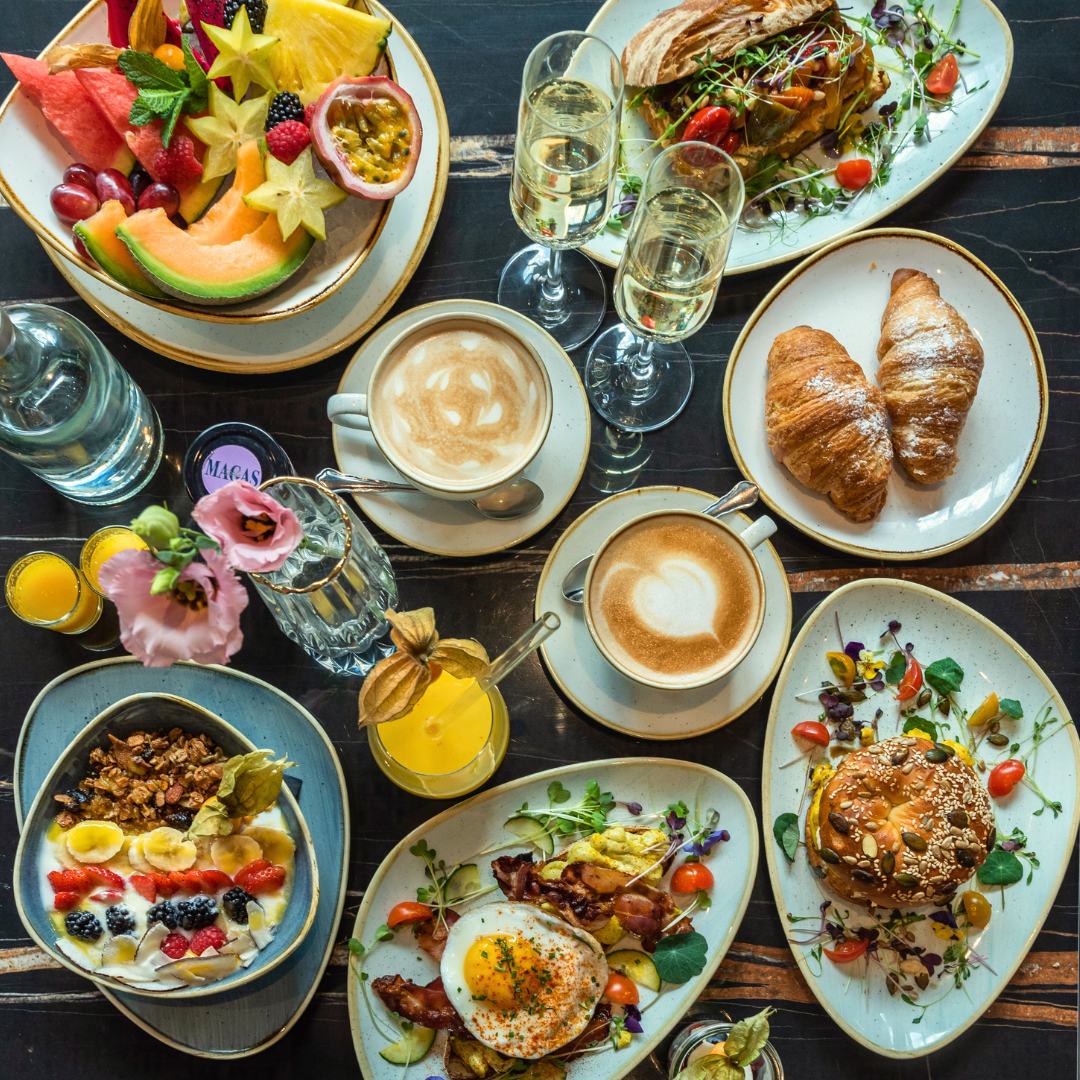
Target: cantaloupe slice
x,y
217,274
98,233
230,217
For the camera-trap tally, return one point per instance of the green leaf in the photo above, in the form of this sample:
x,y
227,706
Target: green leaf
x,y
420,849
1001,868
249,784
170,122
746,1038
711,1067
945,676
384,933
1011,707
556,793
160,102
140,113
680,957
917,723
197,79
704,900
356,947
894,673
147,73
786,830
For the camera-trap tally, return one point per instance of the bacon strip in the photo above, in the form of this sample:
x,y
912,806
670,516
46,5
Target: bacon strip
x,y
427,1006
431,934
596,1030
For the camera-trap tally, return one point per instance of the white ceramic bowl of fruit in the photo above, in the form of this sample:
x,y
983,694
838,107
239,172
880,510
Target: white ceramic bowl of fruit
x,y
233,221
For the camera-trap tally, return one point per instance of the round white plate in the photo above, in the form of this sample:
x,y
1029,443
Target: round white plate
x,y
844,289
938,626
341,317
607,695
915,167
444,527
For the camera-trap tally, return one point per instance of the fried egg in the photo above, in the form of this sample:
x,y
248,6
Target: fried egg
x,y
523,982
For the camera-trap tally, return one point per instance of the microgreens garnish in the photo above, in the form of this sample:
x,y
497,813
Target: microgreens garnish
x,y
163,92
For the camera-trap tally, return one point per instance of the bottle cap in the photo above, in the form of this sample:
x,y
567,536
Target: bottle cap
x,y
233,451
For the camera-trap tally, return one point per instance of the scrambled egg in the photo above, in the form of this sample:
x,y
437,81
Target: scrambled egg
x,y
616,849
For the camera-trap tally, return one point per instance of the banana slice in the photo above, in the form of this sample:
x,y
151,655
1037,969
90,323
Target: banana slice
x,y
94,841
120,863
166,849
232,853
136,857
277,845
204,860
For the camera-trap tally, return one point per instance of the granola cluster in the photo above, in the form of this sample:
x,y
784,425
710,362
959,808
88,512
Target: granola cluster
x,y
147,780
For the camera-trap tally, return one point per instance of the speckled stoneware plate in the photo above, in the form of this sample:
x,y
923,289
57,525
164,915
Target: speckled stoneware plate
x,y
595,687
147,712
915,167
460,833
266,1008
938,626
844,289
342,316
443,526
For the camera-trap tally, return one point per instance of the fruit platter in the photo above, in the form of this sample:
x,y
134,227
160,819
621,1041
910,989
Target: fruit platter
x,y
226,162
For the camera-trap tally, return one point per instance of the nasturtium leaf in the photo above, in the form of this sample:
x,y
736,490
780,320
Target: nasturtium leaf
x,y
894,673
786,830
1011,707
1001,868
917,723
680,957
945,676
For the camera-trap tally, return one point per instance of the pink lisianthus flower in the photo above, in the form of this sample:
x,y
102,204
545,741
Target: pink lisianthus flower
x,y
199,619
256,533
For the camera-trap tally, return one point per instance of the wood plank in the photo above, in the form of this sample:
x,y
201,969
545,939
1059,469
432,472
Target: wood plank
x,y
999,577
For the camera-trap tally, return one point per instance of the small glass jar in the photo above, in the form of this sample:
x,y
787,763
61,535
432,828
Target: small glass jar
x,y
330,595
102,546
44,589
701,1034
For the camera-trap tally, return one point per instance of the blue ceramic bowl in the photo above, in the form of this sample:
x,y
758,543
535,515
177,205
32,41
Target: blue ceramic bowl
x,y
148,712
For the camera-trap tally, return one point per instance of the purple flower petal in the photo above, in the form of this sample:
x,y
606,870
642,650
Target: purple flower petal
x,y
1010,845
878,684
853,648
632,1025
945,917
894,625
633,809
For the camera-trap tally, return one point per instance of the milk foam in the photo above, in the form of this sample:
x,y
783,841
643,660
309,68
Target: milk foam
x,y
673,598
461,402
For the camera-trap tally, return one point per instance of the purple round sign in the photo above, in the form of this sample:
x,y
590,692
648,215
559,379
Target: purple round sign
x,y
230,462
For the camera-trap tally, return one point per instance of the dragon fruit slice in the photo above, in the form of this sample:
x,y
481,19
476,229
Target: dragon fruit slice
x,y
206,11
120,12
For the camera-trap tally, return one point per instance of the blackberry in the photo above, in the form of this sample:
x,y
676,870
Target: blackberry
x,y
235,903
119,920
83,925
285,106
256,12
165,912
197,913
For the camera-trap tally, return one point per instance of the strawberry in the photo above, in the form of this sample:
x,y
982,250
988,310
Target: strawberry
x,y
245,872
287,141
269,880
144,885
193,881
65,901
165,884
58,881
109,898
100,875
177,164
210,937
77,881
215,880
179,882
174,946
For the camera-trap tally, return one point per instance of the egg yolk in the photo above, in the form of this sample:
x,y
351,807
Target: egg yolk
x,y
505,971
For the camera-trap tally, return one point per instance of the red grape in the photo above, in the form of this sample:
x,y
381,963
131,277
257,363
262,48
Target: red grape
x,y
140,180
80,174
113,184
80,247
160,194
71,203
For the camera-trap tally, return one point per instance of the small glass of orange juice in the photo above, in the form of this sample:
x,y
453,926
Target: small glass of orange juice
x,y
44,589
102,546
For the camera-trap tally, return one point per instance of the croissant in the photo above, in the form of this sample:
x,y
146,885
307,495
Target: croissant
x,y
929,368
827,423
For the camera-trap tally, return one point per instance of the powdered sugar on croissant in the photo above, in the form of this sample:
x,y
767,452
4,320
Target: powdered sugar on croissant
x,y
930,365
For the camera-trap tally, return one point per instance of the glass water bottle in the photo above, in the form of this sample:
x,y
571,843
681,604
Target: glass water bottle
x,y
69,412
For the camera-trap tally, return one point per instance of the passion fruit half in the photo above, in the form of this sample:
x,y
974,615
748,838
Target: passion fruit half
x,y
367,134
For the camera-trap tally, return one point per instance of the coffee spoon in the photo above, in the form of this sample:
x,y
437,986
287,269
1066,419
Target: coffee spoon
x,y
513,501
740,497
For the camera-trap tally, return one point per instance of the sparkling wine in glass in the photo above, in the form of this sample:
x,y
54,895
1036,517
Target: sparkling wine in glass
x,y
638,375
565,166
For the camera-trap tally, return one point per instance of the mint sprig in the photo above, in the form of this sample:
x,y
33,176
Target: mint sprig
x,y
163,93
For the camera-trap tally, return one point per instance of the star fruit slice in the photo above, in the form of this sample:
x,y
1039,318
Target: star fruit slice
x,y
227,128
242,55
296,195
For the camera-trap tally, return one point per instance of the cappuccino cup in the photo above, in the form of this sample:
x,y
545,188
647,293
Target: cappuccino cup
x,y
459,404
675,599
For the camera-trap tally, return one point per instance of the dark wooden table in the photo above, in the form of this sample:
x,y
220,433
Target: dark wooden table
x,y
1014,201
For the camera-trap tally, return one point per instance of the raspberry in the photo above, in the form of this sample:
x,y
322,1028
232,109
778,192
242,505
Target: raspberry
x,y
285,106
309,112
209,937
241,875
83,925
174,946
177,164
65,901
215,880
197,913
101,875
235,903
269,880
165,912
144,885
165,884
119,920
287,141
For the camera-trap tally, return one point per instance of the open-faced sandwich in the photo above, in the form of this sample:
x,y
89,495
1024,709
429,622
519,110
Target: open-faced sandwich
x,y
775,75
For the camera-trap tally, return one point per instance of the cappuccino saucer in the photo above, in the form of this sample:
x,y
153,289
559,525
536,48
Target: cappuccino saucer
x,y
442,526
597,689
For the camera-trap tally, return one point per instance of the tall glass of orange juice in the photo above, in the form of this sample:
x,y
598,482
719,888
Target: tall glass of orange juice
x,y
44,589
102,546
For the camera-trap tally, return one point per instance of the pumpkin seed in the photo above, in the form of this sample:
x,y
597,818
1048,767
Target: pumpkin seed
x,y
888,863
948,888
992,838
913,841
998,740
965,858
959,818
943,706
891,984
922,981
935,755
829,856
869,846
863,876
846,731
923,699
840,823
906,881
819,871
900,756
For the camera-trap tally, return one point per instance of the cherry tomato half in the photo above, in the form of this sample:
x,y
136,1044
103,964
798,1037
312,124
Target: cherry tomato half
x,y
847,951
709,125
943,78
1004,777
911,683
408,911
854,174
621,989
978,908
690,877
812,731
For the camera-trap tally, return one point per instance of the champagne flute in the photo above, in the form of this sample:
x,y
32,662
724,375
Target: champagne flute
x,y
566,159
638,375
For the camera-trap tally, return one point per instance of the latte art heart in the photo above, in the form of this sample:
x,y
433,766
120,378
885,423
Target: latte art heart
x,y
679,600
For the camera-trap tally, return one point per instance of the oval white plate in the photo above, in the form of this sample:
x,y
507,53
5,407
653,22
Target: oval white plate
x,y
844,289
460,832
938,626
914,168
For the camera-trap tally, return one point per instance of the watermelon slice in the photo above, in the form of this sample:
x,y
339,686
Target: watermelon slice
x,y
71,110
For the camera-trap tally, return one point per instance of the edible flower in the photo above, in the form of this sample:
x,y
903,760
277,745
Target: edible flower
x,y
869,665
945,926
632,1019
961,751
256,533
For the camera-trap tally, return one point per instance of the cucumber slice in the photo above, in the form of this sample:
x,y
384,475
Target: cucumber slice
x,y
412,1046
462,883
635,965
532,833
